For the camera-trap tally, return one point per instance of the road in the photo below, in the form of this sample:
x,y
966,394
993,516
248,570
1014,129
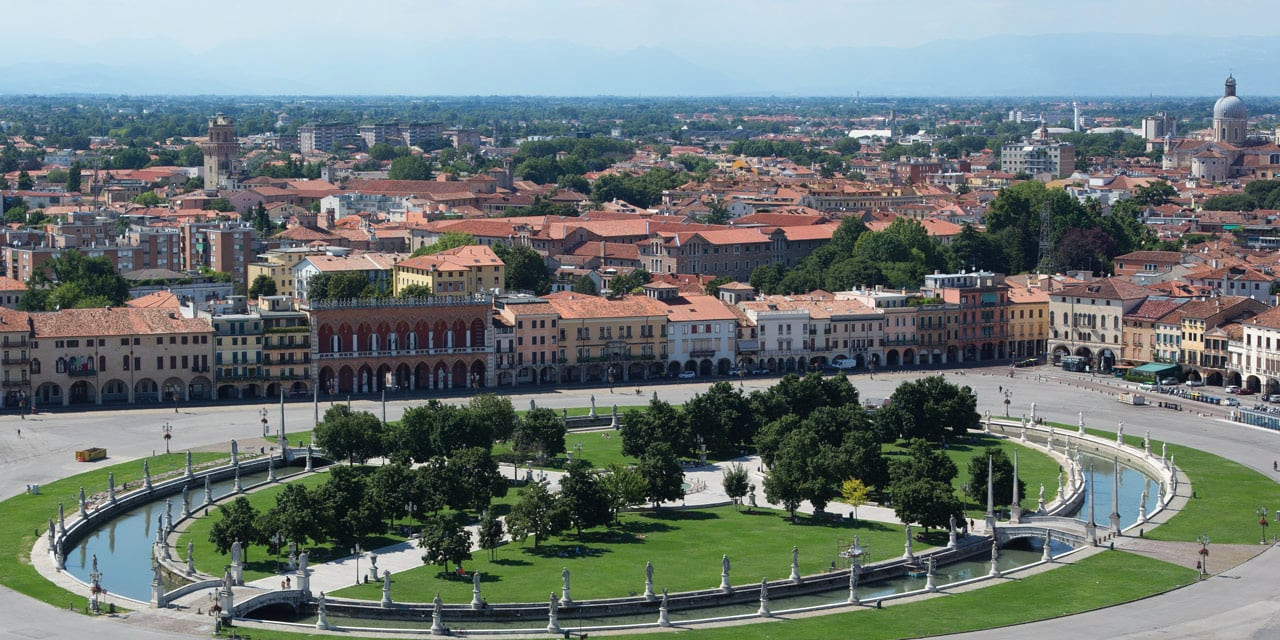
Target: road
x,y
1243,601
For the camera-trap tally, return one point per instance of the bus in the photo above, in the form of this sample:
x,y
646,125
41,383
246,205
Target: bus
x,y
1074,363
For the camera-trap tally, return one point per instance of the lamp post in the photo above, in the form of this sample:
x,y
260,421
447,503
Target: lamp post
x,y
965,496
173,393
167,429
262,413
278,539
1006,403
1203,564
356,551
1262,522
408,509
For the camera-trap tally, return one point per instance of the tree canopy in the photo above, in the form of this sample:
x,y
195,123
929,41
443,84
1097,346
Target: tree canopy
x,y
72,280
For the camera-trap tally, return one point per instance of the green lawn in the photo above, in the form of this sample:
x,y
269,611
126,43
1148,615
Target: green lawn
x,y
1034,467
21,515
600,448
685,549
1099,581
1226,495
257,563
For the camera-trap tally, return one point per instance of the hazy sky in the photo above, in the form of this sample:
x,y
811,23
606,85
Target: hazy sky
x,y
681,25
640,47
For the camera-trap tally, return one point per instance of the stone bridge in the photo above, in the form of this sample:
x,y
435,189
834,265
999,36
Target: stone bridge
x,y
1069,530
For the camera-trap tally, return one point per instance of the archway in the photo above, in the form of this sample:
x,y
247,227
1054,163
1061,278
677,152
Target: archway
x,y
328,381
440,376
383,378
1106,360
421,376
988,351
146,390
228,392
1194,376
691,365
1253,384
723,365
908,357
705,367
49,393
364,384
1233,379
635,371
115,390
891,358
82,392
273,390
459,375
200,388
1214,378
673,369
346,380
548,375
477,374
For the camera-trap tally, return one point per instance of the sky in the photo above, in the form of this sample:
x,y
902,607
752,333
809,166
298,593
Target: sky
x,y
702,42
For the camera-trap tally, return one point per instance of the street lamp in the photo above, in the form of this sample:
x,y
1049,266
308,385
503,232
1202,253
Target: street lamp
x,y
166,428
173,392
1262,522
1006,403
1203,565
356,551
262,413
965,496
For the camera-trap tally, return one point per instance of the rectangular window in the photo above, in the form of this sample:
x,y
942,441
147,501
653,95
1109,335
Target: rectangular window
x,y
159,362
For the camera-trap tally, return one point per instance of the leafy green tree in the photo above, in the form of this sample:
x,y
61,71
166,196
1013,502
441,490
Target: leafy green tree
x,y
735,482
537,513
409,168
922,461
390,489
539,432
147,199
447,240
626,283
220,204
1230,202
72,280
1001,477
722,417
190,156
664,479
292,516
239,522
928,502
863,458
854,493
495,413
344,285
713,287
785,485
74,177
263,285
935,407
585,497
445,540
384,151
344,511
624,486
353,435
479,480
847,146
1156,193
525,269
490,533
584,284
436,487
130,159
660,424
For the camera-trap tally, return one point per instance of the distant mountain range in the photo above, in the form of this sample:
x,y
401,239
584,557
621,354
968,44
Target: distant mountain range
x,y
1087,64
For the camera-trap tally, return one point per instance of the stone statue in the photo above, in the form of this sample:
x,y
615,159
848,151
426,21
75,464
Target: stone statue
x,y
157,576
1041,493
235,451
475,581
795,555
188,463
146,475
111,486
564,578
724,564
190,549
532,404
235,552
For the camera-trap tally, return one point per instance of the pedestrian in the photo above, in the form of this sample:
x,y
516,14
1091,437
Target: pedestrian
x,y
1275,464
288,581
19,432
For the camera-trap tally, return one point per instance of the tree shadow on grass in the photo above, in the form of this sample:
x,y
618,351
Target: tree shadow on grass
x,y
510,562
567,551
677,514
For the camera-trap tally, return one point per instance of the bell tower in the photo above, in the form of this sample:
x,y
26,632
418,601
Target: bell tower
x,y
219,152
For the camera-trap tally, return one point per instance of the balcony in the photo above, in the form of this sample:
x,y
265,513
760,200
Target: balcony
x,y
16,359
621,357
274,346
15,384
19,343
702,353
82,373
400,353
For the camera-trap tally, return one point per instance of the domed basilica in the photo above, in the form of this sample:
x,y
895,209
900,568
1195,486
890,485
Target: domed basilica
x,y
1231,153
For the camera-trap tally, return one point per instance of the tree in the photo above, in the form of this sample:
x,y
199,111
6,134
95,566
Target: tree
x,y
584,284
660,424
537,513
525,269
722,417
928,502
854,493
1156,193
415,291
445,540
355,436
239,523
624,486
384,151
344,511
409,168
74,177
478,478
717,213
390,489
25,183
585,497
131,158
293,515
922,460
72,280
664,479
934,407
624,284
539,432
495,412
263,285
344,285
190,156
220,204
1001,477
490,533
713,287
735,482
447,240
147,199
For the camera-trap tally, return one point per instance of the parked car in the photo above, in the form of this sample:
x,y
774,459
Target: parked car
x,y
1275,397
1169,381
759,372
1244,391
685,375
1231,388
1195,383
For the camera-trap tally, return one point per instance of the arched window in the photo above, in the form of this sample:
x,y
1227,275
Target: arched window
x,y
126,362
35,366
60,366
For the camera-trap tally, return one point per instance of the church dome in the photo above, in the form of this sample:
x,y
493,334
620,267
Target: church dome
x,y
1229,106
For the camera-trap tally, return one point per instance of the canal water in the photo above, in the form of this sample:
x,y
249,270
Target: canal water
x,y
123,545
1132,484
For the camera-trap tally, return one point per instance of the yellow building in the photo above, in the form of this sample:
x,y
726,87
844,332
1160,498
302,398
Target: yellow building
x,y
278,265
453,272
1028,322
286,347
15,328
603,340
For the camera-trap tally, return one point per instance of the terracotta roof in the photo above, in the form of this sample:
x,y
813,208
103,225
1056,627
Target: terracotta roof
x,y
696,308
1269,319
355,262
11,284
577,306
1153,309
1106,288
120,321
157,300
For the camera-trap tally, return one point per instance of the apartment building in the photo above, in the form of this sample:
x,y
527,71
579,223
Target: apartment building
x,y
610,340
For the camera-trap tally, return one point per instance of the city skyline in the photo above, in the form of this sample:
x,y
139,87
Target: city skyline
x,y
585,47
